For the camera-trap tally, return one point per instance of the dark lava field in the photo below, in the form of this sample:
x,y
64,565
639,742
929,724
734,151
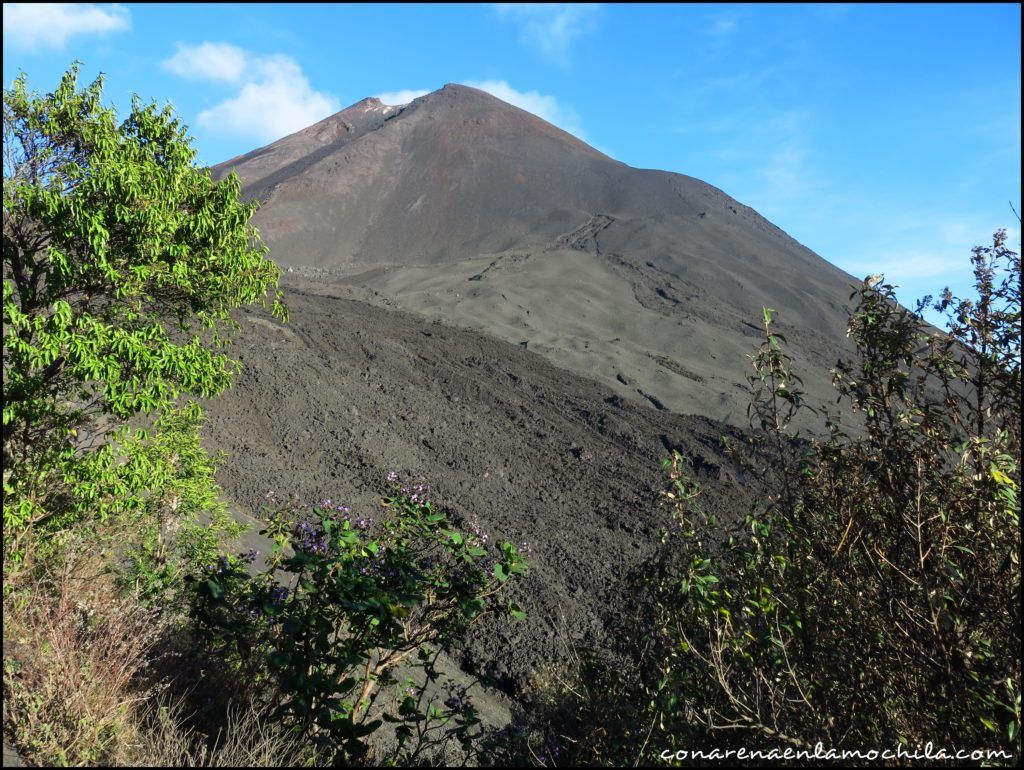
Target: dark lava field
x,y
482,301
347,391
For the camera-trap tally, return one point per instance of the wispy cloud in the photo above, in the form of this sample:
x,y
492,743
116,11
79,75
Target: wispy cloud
x,y
911,265
721,25
832,11
209,61
742,81
274,97
50,25
402,97
541,105
915,254
768,162
550,27
784,171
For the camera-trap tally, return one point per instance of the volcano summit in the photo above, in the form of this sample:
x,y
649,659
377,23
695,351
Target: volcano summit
x,y
469,210
481,299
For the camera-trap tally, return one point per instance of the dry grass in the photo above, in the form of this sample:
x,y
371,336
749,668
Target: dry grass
x,y
248,740
73,651
79,687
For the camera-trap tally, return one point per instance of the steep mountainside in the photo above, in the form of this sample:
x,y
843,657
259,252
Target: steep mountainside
x,y
618,307
466,209
345,392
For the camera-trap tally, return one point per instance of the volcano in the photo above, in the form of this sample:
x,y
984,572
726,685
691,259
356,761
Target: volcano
x,y
482,300
468,210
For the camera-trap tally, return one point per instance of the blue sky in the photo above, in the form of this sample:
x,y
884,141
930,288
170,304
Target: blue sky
x,y
885,138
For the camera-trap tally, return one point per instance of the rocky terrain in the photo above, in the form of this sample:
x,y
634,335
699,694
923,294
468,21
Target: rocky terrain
x,y
481,300
466,209
347,391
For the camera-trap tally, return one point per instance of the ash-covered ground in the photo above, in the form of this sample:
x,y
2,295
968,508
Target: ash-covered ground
x,y
347,391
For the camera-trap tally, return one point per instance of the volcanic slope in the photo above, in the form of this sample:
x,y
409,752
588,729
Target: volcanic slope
x,y
461,207
329,403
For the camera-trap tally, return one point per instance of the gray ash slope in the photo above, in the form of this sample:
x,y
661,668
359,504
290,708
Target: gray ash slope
x,y
617,307
469,210
346,391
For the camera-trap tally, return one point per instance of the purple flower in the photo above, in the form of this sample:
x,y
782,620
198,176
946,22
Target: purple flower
x,y
277,595
310,539
392,477
428,563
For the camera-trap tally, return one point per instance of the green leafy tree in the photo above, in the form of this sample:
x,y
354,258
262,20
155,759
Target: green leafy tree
x,y
122,263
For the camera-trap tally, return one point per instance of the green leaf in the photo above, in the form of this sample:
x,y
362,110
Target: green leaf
x,y
215,588
361,731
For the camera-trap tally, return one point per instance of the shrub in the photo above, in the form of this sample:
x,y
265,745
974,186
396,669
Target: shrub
x,y
184,524
871,596
342,601
873,599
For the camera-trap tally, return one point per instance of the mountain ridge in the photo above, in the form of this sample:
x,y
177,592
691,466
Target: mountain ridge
x,y
477,111
617,306
601,267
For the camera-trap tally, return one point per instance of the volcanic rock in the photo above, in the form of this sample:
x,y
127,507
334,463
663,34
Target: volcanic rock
x,y
467,209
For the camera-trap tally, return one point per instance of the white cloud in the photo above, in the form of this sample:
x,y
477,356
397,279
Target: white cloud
x,y
278,103
275,98
550,27
721,26
208,61
541,105
910,265
939,254
401,97
49,25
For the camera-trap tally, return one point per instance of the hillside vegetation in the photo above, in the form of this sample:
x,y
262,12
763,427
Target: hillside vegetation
x,y
869,600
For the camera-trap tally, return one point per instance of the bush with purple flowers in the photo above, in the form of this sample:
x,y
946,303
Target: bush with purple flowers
x,y
344,599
